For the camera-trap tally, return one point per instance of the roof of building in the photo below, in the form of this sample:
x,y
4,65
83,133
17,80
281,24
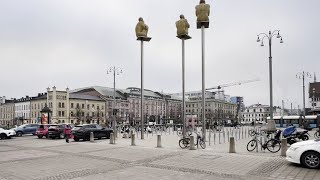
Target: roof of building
x,y
84,97
105,91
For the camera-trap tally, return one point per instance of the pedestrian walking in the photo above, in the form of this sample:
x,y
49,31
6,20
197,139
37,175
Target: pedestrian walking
x,y
67,132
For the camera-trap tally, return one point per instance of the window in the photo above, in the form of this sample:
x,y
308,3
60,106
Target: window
x,y
62,113
71,105
88,106
82,106
62,105
78,105
59,113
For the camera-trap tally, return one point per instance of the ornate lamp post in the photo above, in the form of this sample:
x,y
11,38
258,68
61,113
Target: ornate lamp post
x,y
115,71
302,76
261,38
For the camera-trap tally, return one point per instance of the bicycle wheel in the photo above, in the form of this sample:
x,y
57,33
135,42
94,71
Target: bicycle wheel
x,y
179,133
252,145
202,144
252,132
317,134
273,145
184,143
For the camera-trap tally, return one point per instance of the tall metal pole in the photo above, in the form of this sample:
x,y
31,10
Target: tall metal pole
x,y
183,91
203,83
114,99
304,98
270,77
142,96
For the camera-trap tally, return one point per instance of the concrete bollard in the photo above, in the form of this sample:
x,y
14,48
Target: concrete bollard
x,y
91,137
159,141
214,137
283,146
219,137
133,140
209,137
232,146
224,137
228,136
111,138
192,147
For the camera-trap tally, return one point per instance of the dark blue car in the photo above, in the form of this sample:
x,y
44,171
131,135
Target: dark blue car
x,y
26,129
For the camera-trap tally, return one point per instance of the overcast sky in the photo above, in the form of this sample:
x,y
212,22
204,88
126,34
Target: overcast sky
x,y
72,43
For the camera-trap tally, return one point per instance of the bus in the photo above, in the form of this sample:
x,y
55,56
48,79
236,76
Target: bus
x,y
285,121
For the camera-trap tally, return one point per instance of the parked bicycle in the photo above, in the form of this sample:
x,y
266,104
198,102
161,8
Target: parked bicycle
x,y
185,142
273,145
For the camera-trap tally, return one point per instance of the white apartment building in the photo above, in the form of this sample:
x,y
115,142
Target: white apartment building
x,y
259,112
22,108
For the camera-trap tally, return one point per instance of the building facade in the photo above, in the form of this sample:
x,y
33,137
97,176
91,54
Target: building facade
x,y
22,109
314,96
215,109
7,111
259,113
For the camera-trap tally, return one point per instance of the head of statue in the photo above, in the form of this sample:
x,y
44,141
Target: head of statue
x,y
181,16
140,19
202,2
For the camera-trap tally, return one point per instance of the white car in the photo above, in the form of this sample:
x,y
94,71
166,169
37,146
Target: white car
x,y
6,134
306,153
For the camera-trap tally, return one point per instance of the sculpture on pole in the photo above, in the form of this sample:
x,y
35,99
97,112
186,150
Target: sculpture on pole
x,y
202,13
182,26
141,28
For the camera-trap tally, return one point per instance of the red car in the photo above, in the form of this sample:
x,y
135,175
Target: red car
x,y
42,131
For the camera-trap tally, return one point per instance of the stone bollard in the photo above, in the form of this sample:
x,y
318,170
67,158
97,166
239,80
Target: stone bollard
x,y
115,135
192,147
159,141
111,138
133,140
91,137
283,146
214,137
232,146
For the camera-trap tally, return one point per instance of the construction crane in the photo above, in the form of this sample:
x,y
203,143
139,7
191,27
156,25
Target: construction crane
x,y
232,84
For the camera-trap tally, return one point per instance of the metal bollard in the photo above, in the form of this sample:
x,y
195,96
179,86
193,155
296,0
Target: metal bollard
x,y
209,137
239,134
228,135
219,138
214,137
232,146
192,147
159,141
224,137
91,137
133,140
111,138
283,146
245,133
242,132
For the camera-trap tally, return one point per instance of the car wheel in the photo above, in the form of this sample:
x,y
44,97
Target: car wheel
x,y
61,136
53,137
3,136
19,134
40,137
76,139
311,159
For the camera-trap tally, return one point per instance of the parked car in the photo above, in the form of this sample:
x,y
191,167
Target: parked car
x,y
83,132
56,131
26,129
306,153
42,131
6,134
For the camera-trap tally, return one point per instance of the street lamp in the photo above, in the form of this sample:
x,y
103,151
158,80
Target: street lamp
x,y
269,36
115,71
302,76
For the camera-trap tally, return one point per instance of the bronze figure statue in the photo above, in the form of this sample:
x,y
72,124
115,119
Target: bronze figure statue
x,y
182,26
141,28
202,11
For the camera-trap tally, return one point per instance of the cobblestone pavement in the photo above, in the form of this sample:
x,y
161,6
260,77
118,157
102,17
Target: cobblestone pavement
x,y
45,159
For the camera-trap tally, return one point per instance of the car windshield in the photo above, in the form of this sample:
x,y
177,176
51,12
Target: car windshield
x,y
22,126
53,126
